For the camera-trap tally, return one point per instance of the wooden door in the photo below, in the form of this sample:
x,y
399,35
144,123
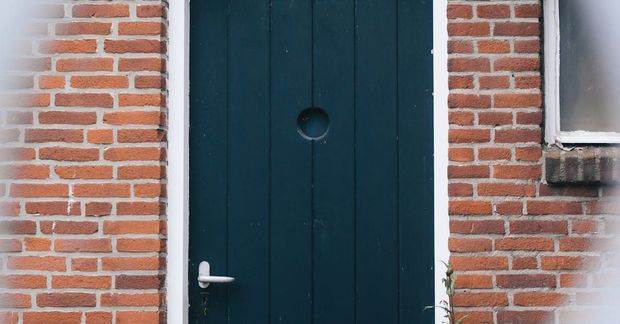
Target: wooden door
x,y
311,161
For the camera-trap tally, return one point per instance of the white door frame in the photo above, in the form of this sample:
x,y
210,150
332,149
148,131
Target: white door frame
x,y
178,156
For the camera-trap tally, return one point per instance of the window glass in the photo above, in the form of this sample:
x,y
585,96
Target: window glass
x,y
590,65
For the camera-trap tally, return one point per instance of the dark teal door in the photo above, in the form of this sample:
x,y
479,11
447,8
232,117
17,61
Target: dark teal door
x,y
324,216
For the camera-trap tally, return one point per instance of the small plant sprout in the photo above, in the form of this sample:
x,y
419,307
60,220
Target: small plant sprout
x,y
446,305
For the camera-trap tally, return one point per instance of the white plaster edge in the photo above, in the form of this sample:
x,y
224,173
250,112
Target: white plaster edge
x,y
178,162
440,127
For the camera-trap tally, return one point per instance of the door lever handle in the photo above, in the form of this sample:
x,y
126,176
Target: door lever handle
x,y
205,277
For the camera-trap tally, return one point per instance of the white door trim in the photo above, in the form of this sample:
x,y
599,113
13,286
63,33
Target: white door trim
x,y
178,156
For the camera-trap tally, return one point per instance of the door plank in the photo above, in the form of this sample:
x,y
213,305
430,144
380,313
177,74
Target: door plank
x,y
248,161
333,223
291,193
376,162
415,80
208,163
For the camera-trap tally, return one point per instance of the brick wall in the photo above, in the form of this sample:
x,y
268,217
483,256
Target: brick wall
x,y
83,192
521,248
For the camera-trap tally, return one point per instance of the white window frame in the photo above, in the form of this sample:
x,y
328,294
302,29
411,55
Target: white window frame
x,y
177,280
553,133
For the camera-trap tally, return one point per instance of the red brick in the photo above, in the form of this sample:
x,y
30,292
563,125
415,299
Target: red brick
x,y
84,264
465,245
469,101
66,300
100,136
144,317
460,47
540,299
525,316
150,82
553,207
473,282
65,117
525,281
517,64
516,29
132,227
468,207
39,190
139,245
506,189
84,64
78,46
150,190
528,82
469,65
131,263
493,11
494,82
468,171
69,227
23,281
517,135
99,82
529,118
461,82
528,11
134,46
469,135
460,190
141,135
469,29
101,11
509,208
494,47
528,153
84,28
461,118
145,11
53,208
53,135
98,318
134,154
538,227
25,172
494,153
52,317
138,282
142,64
133,118
51,82
85,282
98,209
83,245
521,100
37,244
46,263
461,154
84,172
15,300
517,172
456,11
573,280
524,244
141,100
68,154
101,190
133,300
524,263
102,100
141,28
491,299
477,227
527,46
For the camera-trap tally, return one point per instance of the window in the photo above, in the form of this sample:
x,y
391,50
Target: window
x,y
582,71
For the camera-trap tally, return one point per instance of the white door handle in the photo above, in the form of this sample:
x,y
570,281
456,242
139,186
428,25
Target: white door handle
x,y
205,277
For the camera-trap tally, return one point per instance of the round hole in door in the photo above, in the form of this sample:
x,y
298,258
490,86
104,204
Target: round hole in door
x,y
313,123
